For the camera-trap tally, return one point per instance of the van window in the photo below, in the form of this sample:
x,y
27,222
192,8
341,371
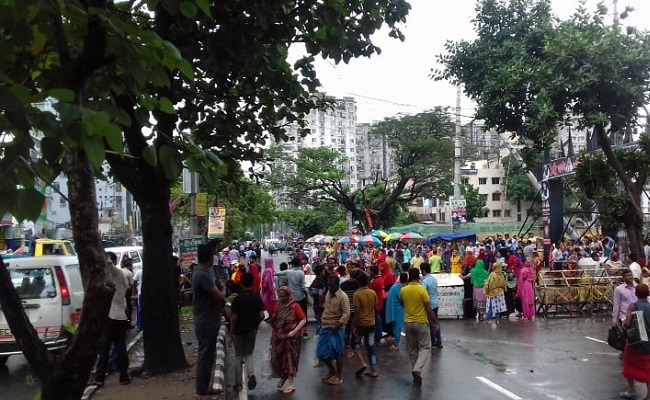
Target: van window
x,y
135,256
35,283
70,249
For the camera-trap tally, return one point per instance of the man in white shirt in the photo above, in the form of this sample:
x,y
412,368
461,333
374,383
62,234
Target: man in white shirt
x,y
558,257
115,331
634,266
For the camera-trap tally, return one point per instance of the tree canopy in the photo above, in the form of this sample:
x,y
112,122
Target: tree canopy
x,y
150,86
421,152
531,73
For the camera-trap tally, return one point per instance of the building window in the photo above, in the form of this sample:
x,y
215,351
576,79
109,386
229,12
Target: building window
x,y
506,213
496,213
62,202
495,181
465,181
518,217
482,181
118,201
496,196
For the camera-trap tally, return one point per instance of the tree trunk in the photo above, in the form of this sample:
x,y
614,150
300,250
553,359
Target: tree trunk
x,y
162,341
65,377
634,222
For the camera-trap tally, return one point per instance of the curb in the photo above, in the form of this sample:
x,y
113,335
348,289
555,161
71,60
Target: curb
x,y
219,381
91,389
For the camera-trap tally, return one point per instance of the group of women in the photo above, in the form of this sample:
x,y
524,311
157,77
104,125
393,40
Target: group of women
x,y
501,288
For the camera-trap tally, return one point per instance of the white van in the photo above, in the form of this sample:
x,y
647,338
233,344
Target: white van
x,y
52,293
134,252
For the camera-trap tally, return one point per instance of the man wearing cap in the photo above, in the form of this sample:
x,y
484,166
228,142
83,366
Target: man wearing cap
x,y
226,258
296,282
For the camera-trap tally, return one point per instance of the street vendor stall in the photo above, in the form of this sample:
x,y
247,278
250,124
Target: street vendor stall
x,y
450,295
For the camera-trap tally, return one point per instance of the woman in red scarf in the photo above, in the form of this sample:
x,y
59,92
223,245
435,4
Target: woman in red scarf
x,y
287,322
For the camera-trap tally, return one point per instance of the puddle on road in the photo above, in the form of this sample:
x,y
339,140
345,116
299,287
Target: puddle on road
x,y
501,367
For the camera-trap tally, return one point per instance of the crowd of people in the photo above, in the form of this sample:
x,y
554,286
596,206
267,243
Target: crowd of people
x,y
364,296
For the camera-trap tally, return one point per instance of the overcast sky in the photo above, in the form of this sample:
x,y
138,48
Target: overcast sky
x,y
397,81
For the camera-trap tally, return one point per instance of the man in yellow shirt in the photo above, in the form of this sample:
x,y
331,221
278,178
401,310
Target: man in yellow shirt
x,y
366,306
417,314
417,259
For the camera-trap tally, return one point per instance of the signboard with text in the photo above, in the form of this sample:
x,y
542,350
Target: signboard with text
x,y
216,222
458,206
201,204
188,247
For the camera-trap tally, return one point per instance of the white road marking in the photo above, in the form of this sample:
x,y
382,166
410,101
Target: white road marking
x,y
498,388
595,340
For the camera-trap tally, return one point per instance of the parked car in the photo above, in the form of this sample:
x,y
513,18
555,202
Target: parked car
x,y
52,294
134,252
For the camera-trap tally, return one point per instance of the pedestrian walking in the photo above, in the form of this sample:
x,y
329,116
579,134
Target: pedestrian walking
x,y
636,358
287,322
494,289
268,286
366,307
395,310
477,276
526,291
246,313
430,283
417,314
331,340
207,305
296,283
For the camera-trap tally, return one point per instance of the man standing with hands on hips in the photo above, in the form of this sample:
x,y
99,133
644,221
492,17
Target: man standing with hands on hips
x,y
207,306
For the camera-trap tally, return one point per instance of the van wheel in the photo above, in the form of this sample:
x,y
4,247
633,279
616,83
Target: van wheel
x,y
3,360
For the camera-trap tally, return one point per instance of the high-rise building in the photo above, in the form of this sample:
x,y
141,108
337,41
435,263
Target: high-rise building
x,y
334,128
374,157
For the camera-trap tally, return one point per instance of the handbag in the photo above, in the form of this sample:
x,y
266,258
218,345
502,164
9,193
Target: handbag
x,y
636,333
616,338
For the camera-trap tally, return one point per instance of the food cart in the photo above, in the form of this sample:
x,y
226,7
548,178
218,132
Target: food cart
x,y
450,295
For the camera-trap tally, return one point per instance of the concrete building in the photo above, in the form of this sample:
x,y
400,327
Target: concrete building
x,y
334,128
374,157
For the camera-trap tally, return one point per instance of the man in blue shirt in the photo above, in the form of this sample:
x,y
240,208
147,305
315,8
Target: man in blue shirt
x,y
430,283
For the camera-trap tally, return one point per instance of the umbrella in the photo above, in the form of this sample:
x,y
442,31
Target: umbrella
x,y
378,233
393,236
325,239
412,237
369,240
347,239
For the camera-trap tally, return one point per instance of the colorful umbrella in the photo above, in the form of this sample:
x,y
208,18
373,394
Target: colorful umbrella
x,y
347,240
412,237
369,240
325,239
393,236
378,233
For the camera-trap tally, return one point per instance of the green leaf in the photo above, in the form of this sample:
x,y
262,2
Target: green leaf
x,y
51,149
113,136
188,9
170,161
185,68
204,5
29,203
38,43
64,95
94,148
165,105
150,156
96,123
44,171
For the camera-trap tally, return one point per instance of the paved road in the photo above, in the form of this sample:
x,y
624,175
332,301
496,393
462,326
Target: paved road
x,y
15,377
563,359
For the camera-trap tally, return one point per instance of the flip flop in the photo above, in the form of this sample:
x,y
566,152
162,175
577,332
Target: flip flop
x,y
289,390
252,382
281,383
372,374
361,370
628,395
326,378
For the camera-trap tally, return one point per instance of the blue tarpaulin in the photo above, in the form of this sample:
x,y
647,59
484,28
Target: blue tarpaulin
x,y
450,237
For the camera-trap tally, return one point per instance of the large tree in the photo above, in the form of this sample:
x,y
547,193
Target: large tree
x,y
148,86
531,73
421,152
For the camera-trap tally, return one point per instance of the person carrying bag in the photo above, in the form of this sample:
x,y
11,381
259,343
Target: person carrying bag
x,y
636,355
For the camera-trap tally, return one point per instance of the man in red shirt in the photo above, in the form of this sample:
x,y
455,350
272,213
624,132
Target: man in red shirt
x,y
377,284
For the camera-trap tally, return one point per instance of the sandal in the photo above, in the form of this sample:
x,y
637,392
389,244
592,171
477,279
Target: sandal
x,y
326,378
628,395
289,390
361,370
372,374
281,382
335,380
252,382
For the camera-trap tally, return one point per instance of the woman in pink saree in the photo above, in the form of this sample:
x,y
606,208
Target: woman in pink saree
x,y
526,290
268,289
